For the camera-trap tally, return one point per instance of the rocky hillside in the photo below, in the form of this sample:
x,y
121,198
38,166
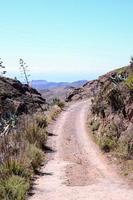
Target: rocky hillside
x,y
111,119
17,98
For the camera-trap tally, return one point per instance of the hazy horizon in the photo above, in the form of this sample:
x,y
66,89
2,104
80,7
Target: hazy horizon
x,y
58,77
66,40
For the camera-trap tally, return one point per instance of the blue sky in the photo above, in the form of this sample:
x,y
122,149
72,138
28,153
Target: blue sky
x,y
65,40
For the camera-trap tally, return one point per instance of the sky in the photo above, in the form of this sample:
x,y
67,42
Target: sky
x,y
66,40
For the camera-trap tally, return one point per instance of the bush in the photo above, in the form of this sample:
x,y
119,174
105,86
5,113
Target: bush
x,y
36,156
107,144
14,167
125,148
122,149
129,82
58,102
98,108
35,135
113,130
41,121
95,125
115,100
55,110
13,188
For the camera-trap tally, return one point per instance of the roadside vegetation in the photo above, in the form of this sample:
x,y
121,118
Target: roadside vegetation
x,y
23,152
21,155
23,134
119,148
111,119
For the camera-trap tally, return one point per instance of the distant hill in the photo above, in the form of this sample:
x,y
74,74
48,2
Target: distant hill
x,y
43,84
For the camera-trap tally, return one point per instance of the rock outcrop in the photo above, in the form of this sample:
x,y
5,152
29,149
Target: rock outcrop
x,y
86,91
17,98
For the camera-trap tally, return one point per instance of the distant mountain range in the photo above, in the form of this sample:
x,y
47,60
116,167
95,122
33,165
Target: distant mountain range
x,y
43,84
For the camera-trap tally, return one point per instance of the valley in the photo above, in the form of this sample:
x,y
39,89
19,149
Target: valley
x,y
67,142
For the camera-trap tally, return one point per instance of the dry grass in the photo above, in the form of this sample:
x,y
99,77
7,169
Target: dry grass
x,y
53,113
21,155
41,121
13,188
35,156
35,135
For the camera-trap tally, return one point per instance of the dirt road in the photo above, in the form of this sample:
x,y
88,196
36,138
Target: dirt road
x,y
78,170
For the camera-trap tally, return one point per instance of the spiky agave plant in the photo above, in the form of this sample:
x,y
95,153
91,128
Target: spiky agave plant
x,y
24,69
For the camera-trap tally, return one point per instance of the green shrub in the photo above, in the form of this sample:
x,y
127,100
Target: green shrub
x,y
36,156
14,188
35,135
112,131
125,149
14,167
95,126
106,143
122,149
129,82
4,173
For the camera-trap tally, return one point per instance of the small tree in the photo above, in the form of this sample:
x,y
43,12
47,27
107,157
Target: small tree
x,y
2,68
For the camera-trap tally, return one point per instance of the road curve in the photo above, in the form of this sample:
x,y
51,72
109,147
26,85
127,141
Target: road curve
x,y
78,170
